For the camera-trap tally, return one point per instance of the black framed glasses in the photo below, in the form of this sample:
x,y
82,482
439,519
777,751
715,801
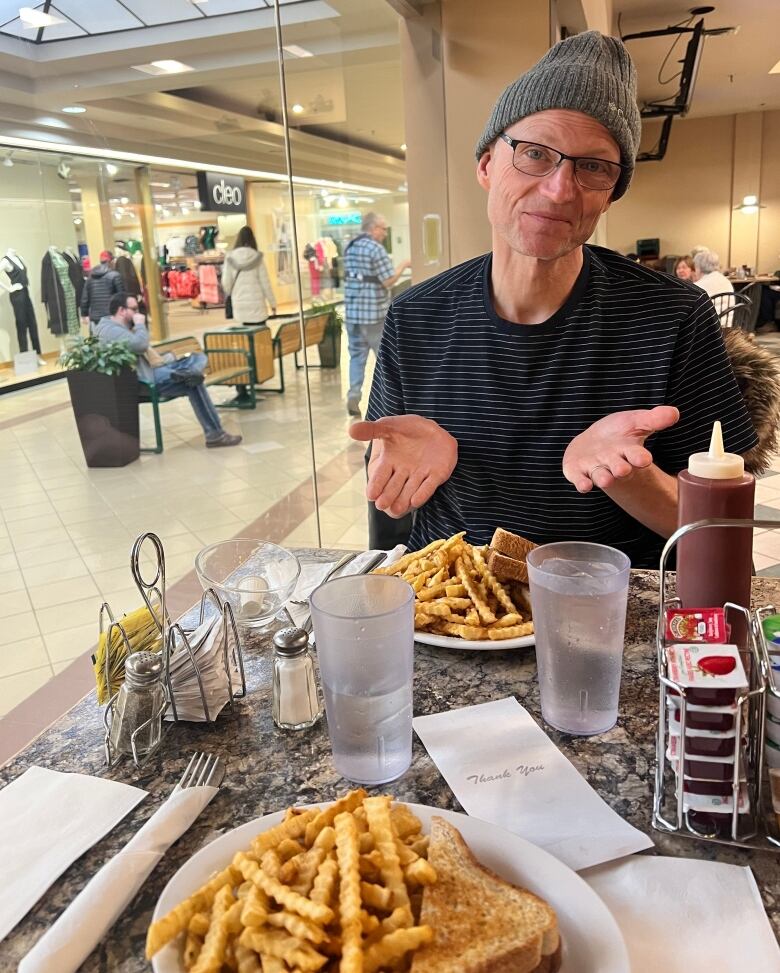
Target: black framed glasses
x,y
535,159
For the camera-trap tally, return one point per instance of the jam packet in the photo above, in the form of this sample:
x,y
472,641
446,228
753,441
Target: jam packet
x,y
695,625
712,675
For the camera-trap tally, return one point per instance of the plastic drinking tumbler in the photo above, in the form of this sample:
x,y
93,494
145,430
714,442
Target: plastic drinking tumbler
x,y
578,599
364,632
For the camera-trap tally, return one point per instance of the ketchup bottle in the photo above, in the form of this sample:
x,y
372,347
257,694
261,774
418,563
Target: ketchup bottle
x,y
715,564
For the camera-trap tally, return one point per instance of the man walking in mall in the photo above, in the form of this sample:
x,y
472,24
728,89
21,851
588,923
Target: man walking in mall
x,y
173,377
99,288
368,277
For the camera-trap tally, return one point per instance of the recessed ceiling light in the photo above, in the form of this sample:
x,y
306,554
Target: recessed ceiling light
x,y
297,109
297,51
749,200
160,185
37,18
8,162
77,221
74,189
403,146
163,67
74,109
111,169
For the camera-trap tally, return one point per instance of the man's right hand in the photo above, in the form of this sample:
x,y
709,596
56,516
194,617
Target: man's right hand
x,y
410,458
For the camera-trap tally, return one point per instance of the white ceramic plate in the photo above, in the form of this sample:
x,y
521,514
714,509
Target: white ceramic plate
x,y
592,942
488,645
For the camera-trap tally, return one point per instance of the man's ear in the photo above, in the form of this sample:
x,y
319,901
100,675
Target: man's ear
x,y
483,168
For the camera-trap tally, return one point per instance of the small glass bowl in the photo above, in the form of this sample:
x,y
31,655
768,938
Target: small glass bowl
x,y
255,577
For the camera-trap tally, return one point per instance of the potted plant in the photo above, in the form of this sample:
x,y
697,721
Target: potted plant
x,y
104,394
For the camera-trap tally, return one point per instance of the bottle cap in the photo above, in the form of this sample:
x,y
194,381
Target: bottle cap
x,y
716,464
291,641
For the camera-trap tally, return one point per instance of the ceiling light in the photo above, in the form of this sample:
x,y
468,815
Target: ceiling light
x,y
8,162
297,51
124,200
163,67
160,185
37,18
111,169
297,109
342,202
185,211
197,203
74,109
74,189
749,200
403,146
77,221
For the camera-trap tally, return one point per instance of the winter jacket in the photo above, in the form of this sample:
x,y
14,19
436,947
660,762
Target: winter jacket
x,y
245,279
107,331
100,287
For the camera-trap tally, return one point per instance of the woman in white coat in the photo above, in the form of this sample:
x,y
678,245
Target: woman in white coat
x,y
245,279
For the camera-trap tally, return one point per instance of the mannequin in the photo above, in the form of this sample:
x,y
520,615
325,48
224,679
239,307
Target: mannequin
x,y
19,293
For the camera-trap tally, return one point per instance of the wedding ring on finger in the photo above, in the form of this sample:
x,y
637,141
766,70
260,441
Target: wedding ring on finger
x,y
600,466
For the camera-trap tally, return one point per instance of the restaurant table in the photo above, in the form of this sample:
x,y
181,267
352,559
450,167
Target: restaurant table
x,y
269,769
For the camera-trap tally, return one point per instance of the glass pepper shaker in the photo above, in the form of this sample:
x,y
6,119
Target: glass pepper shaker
x,y
296,702
139,705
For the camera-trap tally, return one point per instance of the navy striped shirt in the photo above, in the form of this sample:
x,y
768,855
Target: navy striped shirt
x,y
514,396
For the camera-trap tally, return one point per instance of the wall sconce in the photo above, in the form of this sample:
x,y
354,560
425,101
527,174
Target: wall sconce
x,y
749,205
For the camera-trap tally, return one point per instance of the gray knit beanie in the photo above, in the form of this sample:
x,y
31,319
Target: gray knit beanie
x,y
590,73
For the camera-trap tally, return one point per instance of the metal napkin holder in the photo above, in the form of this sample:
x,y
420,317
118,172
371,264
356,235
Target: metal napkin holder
x,y
756,829
174,639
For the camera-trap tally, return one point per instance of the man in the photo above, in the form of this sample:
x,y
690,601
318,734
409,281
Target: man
x,y
369,275
101,285
508,387
172,377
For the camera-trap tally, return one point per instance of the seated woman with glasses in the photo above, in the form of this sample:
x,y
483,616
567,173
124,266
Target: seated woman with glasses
x,y
519,388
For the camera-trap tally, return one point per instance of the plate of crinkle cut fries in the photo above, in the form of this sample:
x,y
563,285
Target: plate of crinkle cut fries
x,y
370,885
459,602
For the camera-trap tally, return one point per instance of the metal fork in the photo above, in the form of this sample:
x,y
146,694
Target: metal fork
x,y
203,770
339,564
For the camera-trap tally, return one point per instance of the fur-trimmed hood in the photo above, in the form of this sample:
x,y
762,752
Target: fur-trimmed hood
x,y
757,372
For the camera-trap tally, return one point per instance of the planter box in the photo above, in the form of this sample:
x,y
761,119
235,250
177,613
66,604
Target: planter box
x,y
106,411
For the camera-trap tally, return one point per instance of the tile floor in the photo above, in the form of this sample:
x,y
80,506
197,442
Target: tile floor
x,y
66,531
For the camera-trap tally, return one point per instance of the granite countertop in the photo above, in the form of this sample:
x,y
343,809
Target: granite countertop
x,y
268,769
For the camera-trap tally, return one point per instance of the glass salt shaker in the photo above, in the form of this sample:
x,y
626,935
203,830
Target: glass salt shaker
x,y
139,706
296,702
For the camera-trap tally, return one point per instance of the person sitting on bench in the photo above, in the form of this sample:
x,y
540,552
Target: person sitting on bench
x,y
172,377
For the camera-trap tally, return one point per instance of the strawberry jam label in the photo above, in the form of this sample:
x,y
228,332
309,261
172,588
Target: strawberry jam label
x,y
695,625
706,666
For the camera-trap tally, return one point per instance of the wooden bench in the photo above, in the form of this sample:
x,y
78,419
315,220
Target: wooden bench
x,y
287,339
225,367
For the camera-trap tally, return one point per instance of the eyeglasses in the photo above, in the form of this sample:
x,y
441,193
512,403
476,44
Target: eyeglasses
x,y
540,160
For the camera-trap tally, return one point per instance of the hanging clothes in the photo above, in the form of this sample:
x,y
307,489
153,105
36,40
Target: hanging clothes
x,y
208,237
126,270
209,284
310,256
58,294
24,313
76,273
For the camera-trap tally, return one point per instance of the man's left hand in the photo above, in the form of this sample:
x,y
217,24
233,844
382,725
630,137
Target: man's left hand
x,y
612,448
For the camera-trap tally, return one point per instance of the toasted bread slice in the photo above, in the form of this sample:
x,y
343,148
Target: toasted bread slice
x,y
507,568
506,556
482,924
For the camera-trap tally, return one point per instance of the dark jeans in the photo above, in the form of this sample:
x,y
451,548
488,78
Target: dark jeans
x,y
170,386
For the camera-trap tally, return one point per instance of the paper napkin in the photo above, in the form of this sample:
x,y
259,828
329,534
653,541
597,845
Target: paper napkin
x,y
504,769
313,574
685,915
47,821
74,935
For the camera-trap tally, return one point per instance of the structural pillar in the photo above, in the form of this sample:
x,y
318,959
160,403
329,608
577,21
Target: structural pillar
x,y
98,230
746,181
157,318
456,58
